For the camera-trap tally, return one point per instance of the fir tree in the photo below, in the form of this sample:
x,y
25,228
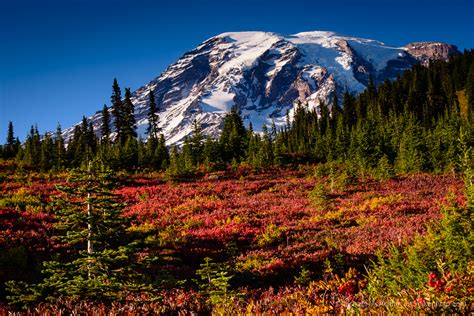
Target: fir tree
x,y
469,88
175,168
197,144
47,153
279,151
105,126
349,115
32,152
86,140
128,154
11,147
129,124
212,154
60,150
266,148
100,266
152,129
91,139
162,153
118,111
233,139
75,149
10,135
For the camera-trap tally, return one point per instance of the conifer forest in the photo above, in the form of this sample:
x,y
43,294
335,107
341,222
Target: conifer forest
x,y
363,204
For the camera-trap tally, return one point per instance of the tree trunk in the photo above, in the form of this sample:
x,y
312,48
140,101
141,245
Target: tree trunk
x,y
90,246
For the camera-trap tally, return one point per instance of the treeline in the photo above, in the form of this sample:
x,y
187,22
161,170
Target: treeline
x,y
418,122
115,144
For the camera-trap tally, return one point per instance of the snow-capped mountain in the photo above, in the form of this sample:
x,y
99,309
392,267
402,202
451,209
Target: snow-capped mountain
x,y
265,74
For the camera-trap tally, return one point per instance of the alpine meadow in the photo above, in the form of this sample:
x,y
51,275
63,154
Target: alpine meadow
x,y
258,174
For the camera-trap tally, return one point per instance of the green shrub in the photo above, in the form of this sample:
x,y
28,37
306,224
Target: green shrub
x,y
273,234
22,200
304,277
214,282
446,249
319,196
384,170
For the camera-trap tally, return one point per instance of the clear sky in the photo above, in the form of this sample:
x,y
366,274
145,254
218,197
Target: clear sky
x,y
58,58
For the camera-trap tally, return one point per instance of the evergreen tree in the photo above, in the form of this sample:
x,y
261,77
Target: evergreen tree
x,y
10,136
100,263
212,154
197,144
47,153
128,156
253,149
32,152
129,123
349,110
142,154
266,149
75,149
118,111
410,152
162,153
60,150
152,129
336,111
469,88
279,151
176,169
86,140
233,139
410,124
11,147
186,158
384,169
91,139
105,126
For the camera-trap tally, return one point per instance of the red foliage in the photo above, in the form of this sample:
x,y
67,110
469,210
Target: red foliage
x,y
266,225
209,214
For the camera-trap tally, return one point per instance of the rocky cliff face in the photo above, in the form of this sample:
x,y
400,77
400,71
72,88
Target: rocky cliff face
x,y
265,74
428,51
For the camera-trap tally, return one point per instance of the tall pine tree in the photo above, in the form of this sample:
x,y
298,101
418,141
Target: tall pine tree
x,y
129,123
152,129
105,126
117,111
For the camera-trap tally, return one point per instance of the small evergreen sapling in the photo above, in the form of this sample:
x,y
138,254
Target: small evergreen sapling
x,y
99,263
214,282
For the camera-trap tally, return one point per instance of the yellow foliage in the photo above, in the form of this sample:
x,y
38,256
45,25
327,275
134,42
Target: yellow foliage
x,y
22,200
252,263
336,215
272,234
362,221
333,294
375,202
463,103
192,223
223,222
272,189
142,228
171,235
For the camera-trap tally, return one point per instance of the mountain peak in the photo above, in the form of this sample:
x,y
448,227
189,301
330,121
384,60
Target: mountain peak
x,y
315,34
245,35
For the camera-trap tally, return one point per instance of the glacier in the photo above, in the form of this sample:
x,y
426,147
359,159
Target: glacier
x,y
265,75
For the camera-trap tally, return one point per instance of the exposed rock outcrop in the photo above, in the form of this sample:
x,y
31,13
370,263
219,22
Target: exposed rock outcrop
x,y
428,51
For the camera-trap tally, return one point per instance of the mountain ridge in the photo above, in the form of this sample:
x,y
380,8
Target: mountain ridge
x,y
265,74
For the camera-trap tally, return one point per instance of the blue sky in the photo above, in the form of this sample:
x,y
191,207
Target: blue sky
x,y
58,58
